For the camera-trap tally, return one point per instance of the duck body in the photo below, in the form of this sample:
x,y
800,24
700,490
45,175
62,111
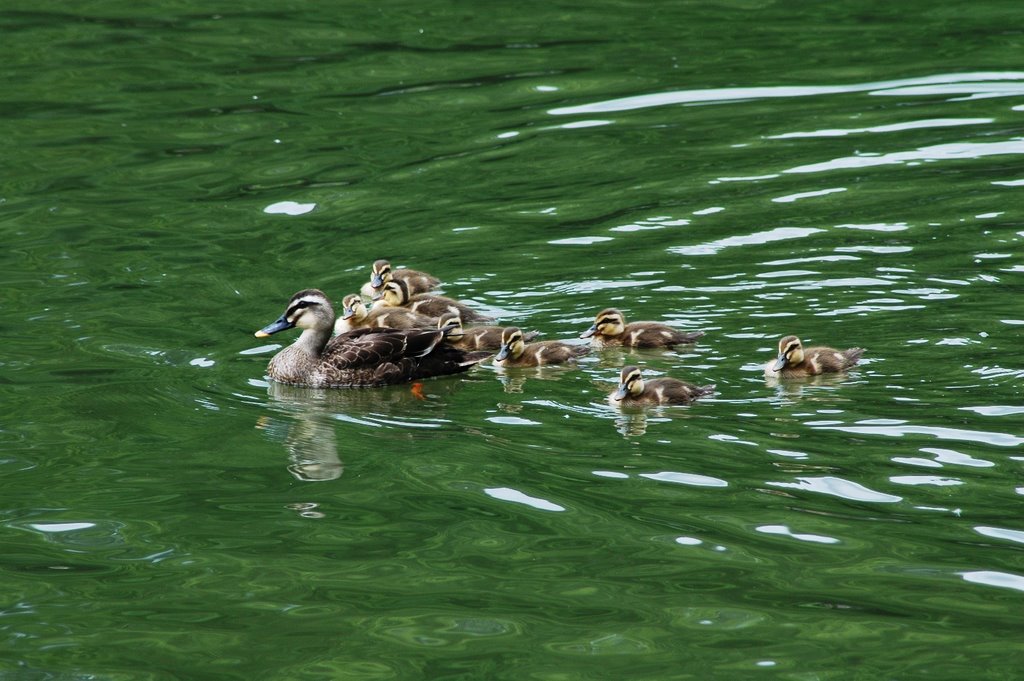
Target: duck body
x,y
634,391
794,360
381,273
611,330
474,337
396,294
515,352
363,357
355,315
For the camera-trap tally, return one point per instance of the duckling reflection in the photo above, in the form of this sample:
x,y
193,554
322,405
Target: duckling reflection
x,y
631,422
808,387
513,379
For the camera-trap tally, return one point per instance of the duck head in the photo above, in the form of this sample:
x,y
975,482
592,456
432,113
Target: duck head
x,y
608,322
308,309
452,323
631,382
512,344
380,274
791,353
353,307
393,294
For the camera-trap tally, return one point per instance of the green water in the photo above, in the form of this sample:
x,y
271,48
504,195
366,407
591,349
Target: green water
x,y
849,173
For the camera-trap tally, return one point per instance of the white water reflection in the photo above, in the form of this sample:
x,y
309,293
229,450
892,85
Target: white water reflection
x,y
784,530
894,127
757,238
1003,580
938,152
939,432
517,497
1000,533
839,487
972,83
686,479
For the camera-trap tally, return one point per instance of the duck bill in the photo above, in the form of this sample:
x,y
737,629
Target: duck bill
x,y
347,312
779,363
279,325
620,393
589,332
503,354
376,281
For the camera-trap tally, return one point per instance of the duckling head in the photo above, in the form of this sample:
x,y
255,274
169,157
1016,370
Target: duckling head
x,y
452,323
631,382
393,294
308,309
791,353
608,322
380,273
352,307
512,344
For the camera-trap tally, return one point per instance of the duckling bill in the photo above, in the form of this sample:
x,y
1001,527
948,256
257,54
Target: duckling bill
x,y
363,357
795,360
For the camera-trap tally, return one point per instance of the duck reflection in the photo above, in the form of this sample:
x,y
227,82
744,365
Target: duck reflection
x,y
800,388
307,419
630,422
513,379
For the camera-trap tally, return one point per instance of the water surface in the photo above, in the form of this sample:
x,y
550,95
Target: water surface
x,y
849,174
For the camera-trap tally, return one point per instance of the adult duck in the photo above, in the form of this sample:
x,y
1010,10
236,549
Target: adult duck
x,y
363,357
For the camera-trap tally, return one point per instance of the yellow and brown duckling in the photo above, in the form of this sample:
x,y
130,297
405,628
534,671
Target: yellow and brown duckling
x,y
611,330
795,360
474,337
381,273
355,315
634,391
396,294
364,357
515,352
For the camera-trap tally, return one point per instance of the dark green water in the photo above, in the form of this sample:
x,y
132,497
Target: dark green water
x,y
851,173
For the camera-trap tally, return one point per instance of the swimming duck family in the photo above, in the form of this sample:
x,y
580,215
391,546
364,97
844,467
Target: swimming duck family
x,y
407,336
363,357
794,360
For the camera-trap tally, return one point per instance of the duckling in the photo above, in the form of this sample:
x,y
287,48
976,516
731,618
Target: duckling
x,y
355,315
610,329
381,273
363,357
475,337
515,352
396,294
796,360
634,391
